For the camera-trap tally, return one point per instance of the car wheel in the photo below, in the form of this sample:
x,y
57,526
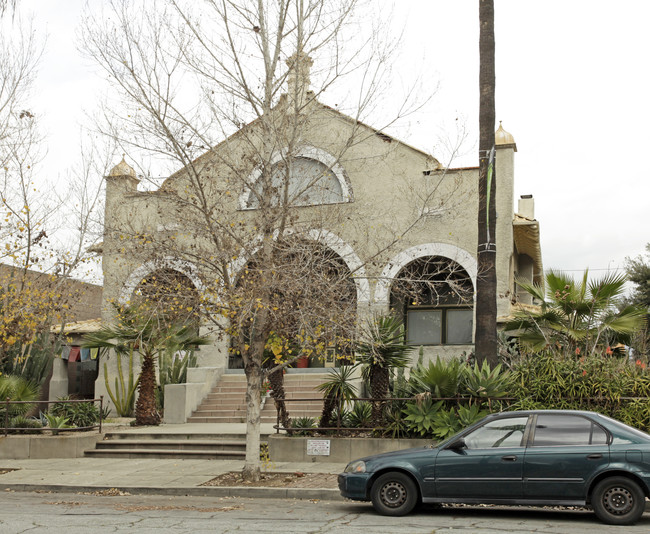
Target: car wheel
x,y
394,494
618,501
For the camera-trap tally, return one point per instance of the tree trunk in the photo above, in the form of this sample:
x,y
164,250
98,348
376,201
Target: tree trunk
x,y
276,379
329,405
486,283
145,408
251,470
379,382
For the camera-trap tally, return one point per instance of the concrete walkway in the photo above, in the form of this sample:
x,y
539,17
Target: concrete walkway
x,y
162,477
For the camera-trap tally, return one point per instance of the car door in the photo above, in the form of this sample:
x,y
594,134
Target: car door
x,y
488,467
565,451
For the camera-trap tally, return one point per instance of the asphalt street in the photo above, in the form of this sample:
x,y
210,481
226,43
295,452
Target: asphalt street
x,y
77,513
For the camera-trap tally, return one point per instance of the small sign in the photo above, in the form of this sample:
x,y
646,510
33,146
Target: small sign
x,y
318,447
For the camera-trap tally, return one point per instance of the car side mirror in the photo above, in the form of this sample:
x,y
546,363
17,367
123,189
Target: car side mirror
x,y
457,445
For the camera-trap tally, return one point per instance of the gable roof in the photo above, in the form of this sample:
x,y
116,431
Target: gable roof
x,y
435,164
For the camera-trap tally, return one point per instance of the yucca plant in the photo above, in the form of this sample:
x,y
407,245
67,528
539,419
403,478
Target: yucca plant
x,y
337,391
380,349
395,425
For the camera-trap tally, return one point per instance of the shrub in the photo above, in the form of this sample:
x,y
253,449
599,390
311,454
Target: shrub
x,y
395,425
78,414
420,415
360,416
26,425
303,423
16,389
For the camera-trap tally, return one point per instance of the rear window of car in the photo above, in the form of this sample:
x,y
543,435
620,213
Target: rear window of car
x,y
560,430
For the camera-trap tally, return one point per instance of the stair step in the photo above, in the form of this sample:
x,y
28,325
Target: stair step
x,y
169,444
166,453
217,419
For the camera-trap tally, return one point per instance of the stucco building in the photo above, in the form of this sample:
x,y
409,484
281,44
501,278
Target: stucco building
x,y
396,216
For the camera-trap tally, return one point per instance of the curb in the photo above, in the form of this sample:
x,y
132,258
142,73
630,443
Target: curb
x,y
323,494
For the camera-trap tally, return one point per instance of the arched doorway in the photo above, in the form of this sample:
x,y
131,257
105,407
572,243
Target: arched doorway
x,y
313,301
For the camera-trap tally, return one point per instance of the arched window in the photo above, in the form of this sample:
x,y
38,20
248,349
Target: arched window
x,y
306,182
435,296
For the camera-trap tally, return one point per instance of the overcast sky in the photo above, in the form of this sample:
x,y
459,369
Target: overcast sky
x,y
572,88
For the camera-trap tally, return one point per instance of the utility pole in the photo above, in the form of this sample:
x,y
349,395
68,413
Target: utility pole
x,y
486,282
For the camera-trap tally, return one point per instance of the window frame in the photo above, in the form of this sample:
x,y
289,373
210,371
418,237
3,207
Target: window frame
x,y
533,431
443,324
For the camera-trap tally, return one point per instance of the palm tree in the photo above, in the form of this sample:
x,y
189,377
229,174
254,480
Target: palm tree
x,y
381,349
486,345
578,315
138,329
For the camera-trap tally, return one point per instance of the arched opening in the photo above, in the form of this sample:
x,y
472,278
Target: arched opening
x,y
435,296
313,301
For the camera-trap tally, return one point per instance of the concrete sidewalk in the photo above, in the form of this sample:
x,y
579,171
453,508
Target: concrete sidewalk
x,y
161,477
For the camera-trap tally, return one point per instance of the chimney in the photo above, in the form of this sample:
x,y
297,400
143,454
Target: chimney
x,y
298,79
526,206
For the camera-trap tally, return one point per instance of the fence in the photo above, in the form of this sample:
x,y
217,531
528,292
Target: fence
x,y
339,410
7,403
602,404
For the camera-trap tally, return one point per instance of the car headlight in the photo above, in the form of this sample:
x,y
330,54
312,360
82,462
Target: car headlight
x,y
358,466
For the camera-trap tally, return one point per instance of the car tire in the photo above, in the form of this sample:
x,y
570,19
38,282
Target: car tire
x,y
394,494
618,501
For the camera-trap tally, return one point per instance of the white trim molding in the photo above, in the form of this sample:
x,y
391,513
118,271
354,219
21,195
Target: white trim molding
x,y
466,260
308,152
149,267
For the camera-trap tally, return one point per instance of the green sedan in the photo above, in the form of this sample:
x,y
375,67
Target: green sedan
x,y
541,458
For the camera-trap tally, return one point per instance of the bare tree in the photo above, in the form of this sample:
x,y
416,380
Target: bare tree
x,y
38,252
223,90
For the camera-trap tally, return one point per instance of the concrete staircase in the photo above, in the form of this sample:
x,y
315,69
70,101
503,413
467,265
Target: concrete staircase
x,y
158,445
226,403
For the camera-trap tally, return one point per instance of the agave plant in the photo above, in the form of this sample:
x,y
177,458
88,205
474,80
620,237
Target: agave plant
x,y
441,378
360,416
420,415
445,424
485,382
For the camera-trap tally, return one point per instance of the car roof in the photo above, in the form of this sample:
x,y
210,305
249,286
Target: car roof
x,y
539,412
